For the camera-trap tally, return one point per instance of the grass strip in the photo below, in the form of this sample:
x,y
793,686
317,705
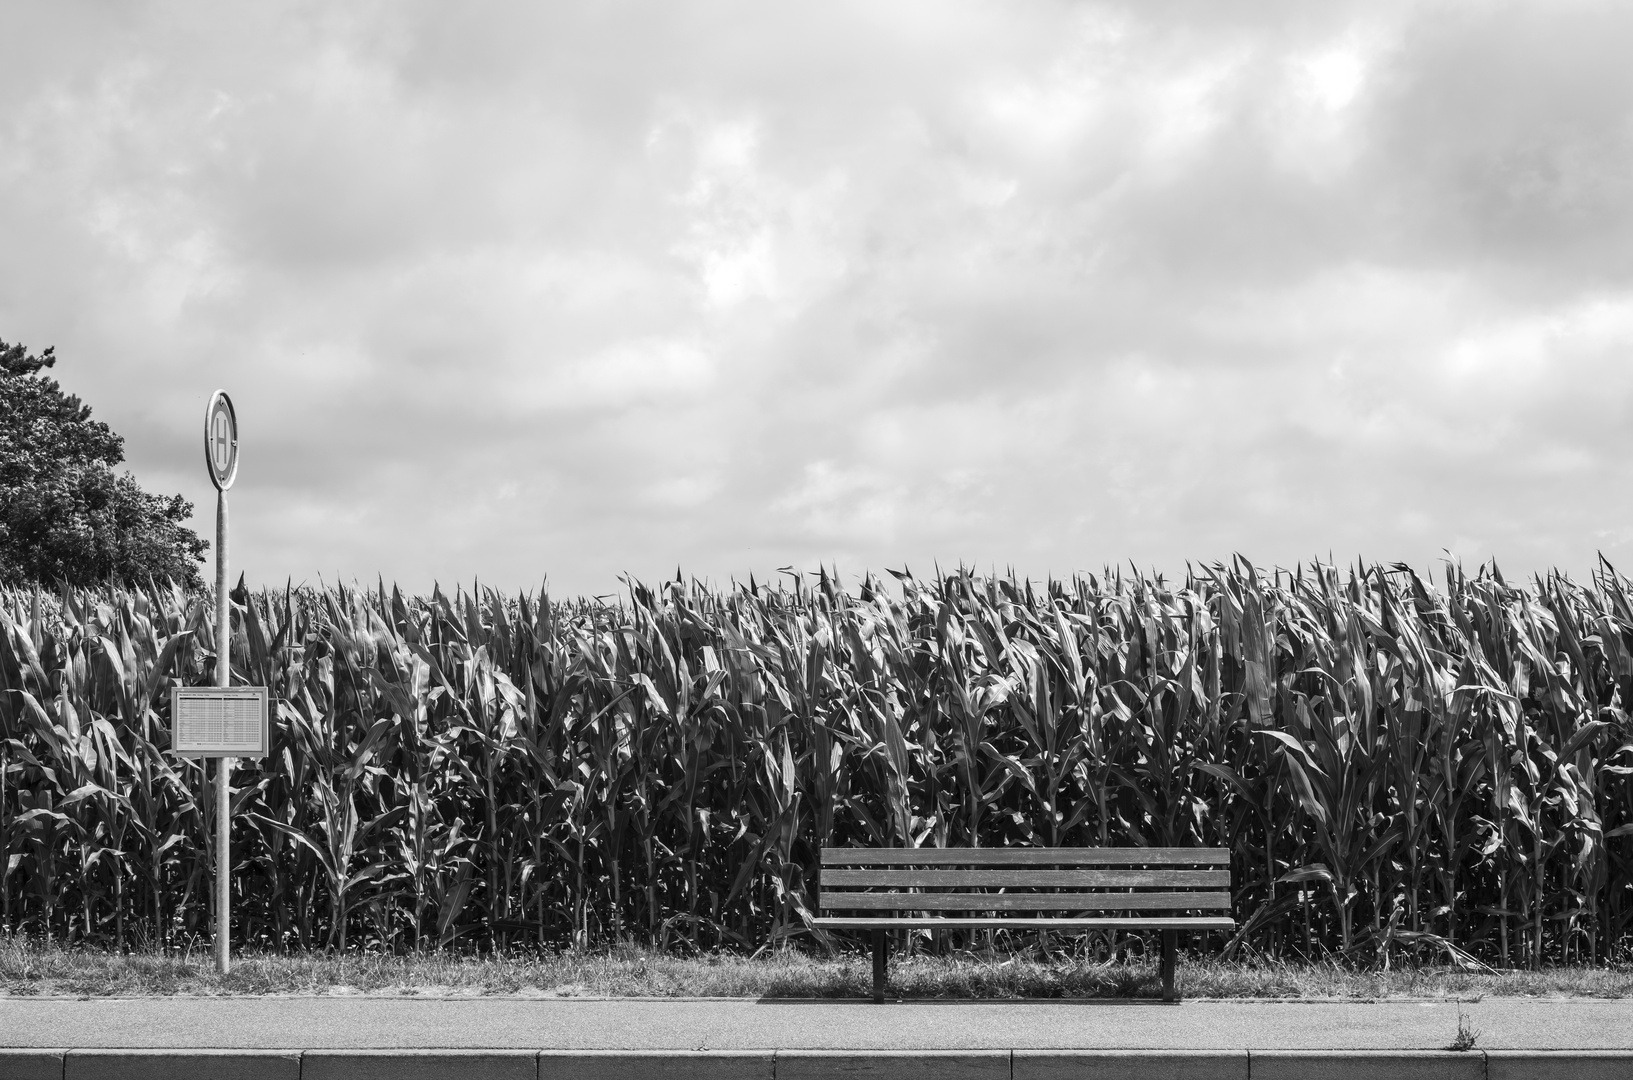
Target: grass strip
x,y
32,968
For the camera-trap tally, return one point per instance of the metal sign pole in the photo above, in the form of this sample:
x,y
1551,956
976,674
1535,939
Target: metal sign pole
x,y
223,766
221,455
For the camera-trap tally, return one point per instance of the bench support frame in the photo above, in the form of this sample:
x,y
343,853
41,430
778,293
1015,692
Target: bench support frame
x,y
881,946
881,965
1170,949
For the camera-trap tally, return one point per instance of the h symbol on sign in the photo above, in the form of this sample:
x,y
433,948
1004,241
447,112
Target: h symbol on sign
x,y
223,449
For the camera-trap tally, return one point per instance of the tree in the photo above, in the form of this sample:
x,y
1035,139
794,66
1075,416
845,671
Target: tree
x,y
65,516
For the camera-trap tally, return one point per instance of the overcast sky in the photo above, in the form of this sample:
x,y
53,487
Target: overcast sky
x,y
515,290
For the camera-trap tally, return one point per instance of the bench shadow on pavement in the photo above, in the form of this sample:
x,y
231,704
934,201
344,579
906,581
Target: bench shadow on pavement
x,y
1140,1003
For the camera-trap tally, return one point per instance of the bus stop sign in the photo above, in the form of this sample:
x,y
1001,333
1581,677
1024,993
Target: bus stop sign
x,y
221,440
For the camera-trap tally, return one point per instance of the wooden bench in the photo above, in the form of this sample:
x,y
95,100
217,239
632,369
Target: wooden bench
x,y
1025,888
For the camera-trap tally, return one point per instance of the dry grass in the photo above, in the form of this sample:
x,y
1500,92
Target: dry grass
x,y
30,968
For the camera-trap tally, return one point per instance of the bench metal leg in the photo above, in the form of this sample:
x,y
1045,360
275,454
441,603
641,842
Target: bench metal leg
x,y
879,947
1170,946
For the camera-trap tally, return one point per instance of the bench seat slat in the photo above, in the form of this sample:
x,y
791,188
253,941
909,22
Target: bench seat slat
x,y
1049,901
1035,879
934,922
1023,856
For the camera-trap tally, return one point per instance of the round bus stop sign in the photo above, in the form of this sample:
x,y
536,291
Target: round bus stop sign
x,y
221,440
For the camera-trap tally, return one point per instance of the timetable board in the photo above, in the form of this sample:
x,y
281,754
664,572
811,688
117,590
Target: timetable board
x,y
214,721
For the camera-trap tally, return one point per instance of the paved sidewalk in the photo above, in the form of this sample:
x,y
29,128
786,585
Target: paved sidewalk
x,y
345,1038
644,1024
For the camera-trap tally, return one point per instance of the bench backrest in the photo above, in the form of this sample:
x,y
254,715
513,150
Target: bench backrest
x,y
1060,880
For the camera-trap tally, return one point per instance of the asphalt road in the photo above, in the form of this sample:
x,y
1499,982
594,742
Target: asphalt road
x,y
623,1024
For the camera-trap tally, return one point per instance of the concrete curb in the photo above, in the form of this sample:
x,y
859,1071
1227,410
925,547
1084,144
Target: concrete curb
x,y
1558,1065
182,1065
1366,1065
1129,1065
418,1065
31,1064
665,1064
450,1064
894,1064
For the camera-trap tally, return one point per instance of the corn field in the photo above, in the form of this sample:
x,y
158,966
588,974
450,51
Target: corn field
x,y
1398,769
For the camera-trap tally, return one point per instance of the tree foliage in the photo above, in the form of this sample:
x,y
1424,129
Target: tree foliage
x,y
65,514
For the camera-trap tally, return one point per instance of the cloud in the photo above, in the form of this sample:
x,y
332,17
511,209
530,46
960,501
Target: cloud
x,y
509,291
